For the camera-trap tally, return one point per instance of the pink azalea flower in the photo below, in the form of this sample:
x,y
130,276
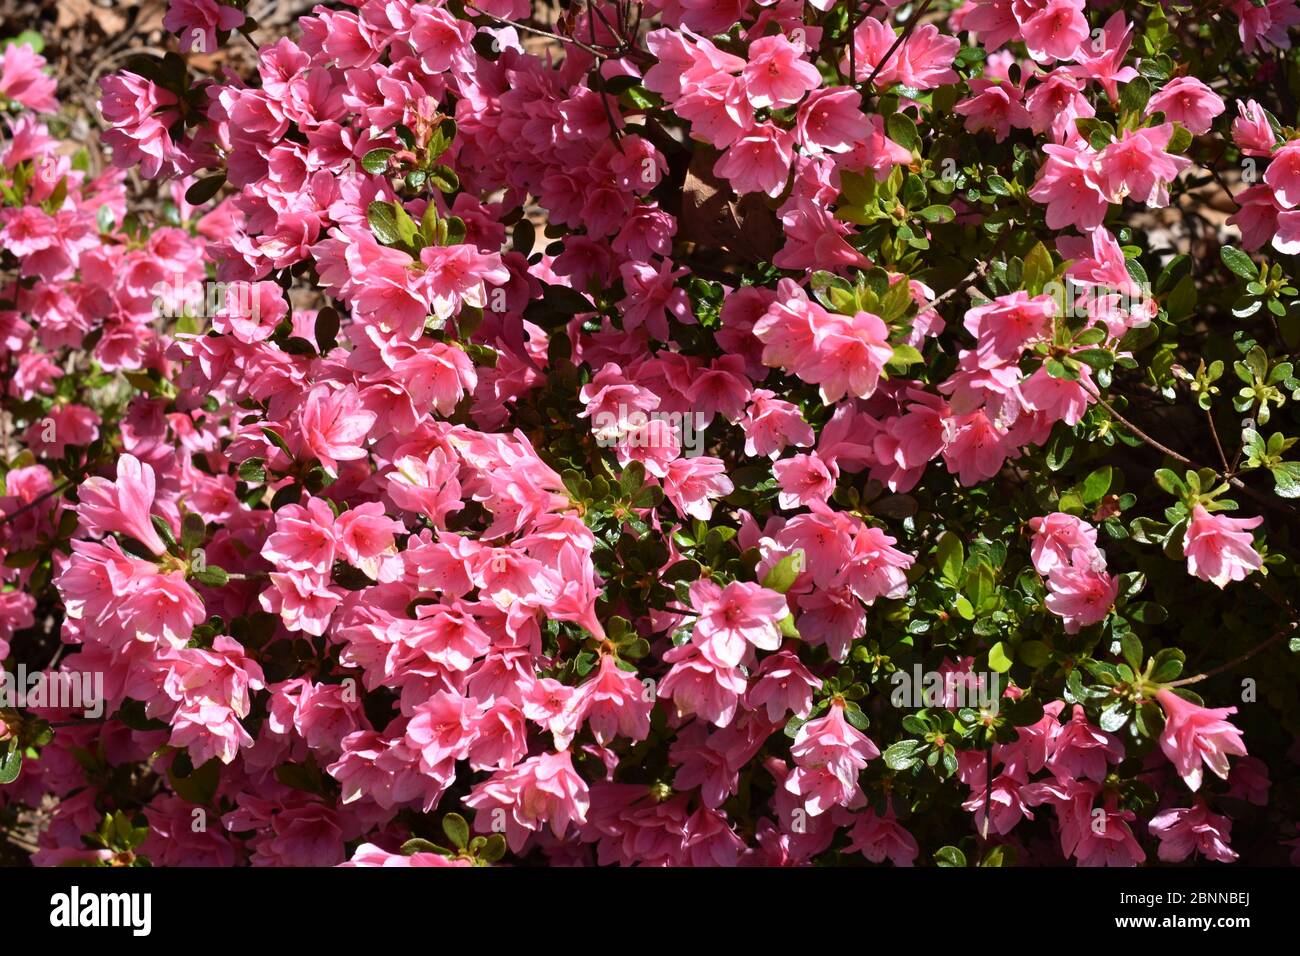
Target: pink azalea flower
x,y
1069,184
832,120
759,160
1219,549
699,684
1080,750
1251,131
883,838
543,790
736,617
1054,30
1194,735
23,79
1283,175
776,74
1057,536
333,426
124,505
996,107
1080,595
1187,100
829,753
693,484
804,478
782,686
1137,166
1183,831
614,703
198,22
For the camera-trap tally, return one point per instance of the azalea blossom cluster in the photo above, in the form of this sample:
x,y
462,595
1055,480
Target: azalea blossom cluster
x,y
399,551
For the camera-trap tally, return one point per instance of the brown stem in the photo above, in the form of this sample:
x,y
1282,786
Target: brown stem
x,y
35,501
1237,483
599,54
1227,469
1236,660
901,38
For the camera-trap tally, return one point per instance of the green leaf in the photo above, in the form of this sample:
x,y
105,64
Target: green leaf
x,y
785,572
204,189
1131,649
1167,665
938,213
951,558
193,532
950,856
998,658
444,178
1134,95
494,849
1286,479
1170,482
903,357
252,470
164,531
903,754
375,162
1099,359
11,764
200,785
382,217
902,130
1033,654
1038,270
1115,715
457,830
1238,262
212,576
1097,484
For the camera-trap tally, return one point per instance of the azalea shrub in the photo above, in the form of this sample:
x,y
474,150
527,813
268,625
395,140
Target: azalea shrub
x,y
656,433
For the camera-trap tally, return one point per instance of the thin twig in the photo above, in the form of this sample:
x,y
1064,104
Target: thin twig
x,y
35,501
907,31
1227,469
599,54
1183,459
1236,660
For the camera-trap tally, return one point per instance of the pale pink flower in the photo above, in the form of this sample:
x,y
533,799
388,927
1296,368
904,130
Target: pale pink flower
x,y
759,161
1183,831
198,22
333,426
1080,595
883,838
776,74
122,506
1251,131
1138,167
1056,537
829,753
23,79
1219,549
1194,735
804,478
693,484
614,703
1187,100
782,686
736,617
